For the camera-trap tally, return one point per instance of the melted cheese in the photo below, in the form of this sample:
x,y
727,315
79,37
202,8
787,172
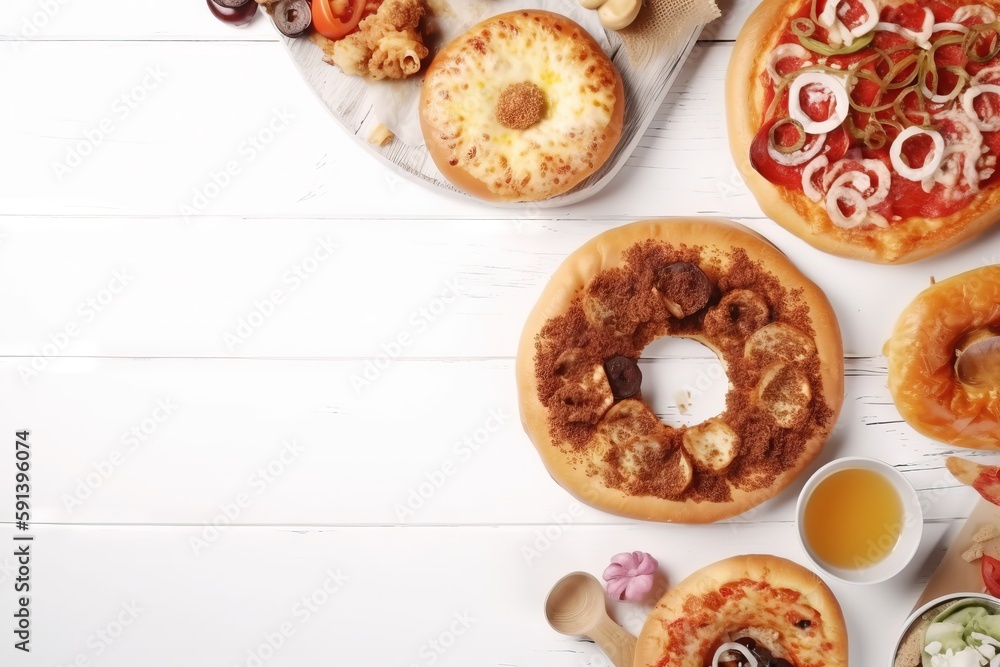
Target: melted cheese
x,y
966,12
578,83
959,171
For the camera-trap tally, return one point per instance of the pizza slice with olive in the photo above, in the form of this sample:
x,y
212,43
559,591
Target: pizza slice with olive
x,y
870,128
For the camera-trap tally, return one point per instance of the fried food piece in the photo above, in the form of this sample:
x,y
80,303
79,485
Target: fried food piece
x,y
387,44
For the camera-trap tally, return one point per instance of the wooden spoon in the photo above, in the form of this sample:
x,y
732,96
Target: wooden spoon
x,y
575,606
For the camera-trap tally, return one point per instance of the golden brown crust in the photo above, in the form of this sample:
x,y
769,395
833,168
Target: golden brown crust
x,y
605,252
656,647
460,177
921,355
906,241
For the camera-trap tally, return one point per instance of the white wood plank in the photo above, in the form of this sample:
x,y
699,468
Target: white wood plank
x,y
300,442
118,19
26,21
168,153
734,15
169,101
156,148
399,594
195,290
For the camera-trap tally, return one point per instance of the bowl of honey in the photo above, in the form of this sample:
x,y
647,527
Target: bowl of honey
x,y
859,520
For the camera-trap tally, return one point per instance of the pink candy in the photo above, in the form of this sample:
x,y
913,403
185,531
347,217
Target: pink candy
x,y
630,576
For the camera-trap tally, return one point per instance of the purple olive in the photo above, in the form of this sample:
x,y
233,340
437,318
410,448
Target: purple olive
x,y
238,15
293,17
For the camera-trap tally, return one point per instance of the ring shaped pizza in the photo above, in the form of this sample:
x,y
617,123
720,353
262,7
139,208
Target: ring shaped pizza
x,y
768,607
870,128
580,386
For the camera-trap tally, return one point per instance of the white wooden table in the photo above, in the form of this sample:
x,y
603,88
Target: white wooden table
x,y
236,462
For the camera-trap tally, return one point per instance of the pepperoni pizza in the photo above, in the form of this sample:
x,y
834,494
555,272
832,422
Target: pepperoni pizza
x,y
870,128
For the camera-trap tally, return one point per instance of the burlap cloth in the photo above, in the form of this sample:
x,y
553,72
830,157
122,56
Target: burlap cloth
x,y
665,24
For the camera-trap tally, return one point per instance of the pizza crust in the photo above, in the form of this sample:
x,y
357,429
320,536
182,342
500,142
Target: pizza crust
x,y
653,645
905,241
605,252
454,168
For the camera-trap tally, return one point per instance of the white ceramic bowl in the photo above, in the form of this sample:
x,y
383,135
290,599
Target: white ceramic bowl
x,y
993,602
909,537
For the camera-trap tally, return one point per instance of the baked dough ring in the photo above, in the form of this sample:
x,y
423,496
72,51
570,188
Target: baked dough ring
x,y
922,360
905,241
714,241
764,593
527,68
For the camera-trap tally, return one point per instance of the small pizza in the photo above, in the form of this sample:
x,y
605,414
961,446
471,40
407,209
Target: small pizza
x,y
870,128
764,607
522,107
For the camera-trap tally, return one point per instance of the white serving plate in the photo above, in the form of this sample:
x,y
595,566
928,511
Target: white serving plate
x,y
344,96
